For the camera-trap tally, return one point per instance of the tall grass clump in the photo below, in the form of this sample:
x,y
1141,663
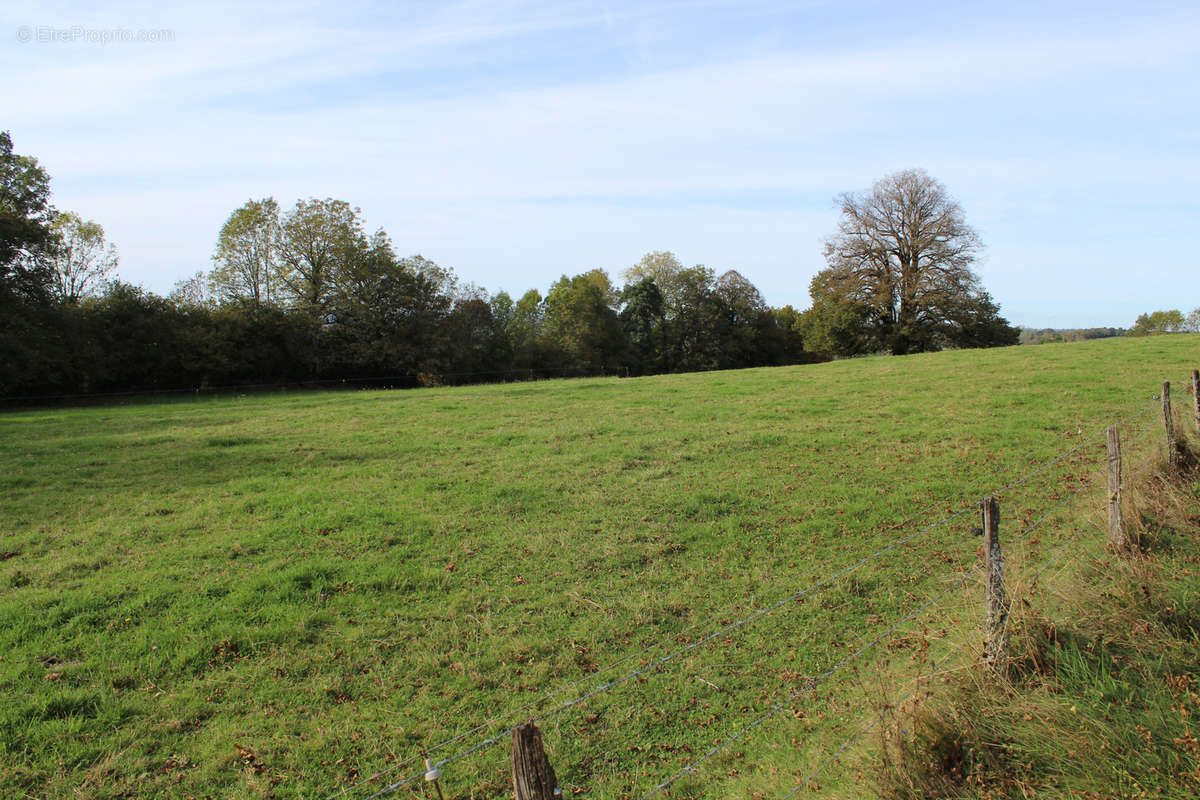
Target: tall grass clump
x,y
1101,695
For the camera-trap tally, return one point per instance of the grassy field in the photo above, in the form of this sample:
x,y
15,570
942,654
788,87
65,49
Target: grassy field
x,y
280,595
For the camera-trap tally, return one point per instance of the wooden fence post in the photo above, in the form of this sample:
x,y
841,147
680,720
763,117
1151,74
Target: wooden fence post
x,y
1196,396
533,777
1116,524
1169,424
997,610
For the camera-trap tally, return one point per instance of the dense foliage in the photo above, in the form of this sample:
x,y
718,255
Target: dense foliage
x,y
308,295
405,325
1166,321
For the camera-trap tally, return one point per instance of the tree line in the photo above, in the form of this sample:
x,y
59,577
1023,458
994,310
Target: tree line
x,y
1055,335
308,294
1147,324
1166,321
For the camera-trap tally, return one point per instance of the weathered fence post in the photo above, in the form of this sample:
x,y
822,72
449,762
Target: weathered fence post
x,y
997,609
533,777
1116,524
1172,447
1196,396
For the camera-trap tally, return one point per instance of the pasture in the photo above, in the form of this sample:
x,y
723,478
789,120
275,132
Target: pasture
x,y
280,595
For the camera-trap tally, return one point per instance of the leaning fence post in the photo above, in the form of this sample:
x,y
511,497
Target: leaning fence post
x,y
1196,396
1172,447
997,610
1116,524
533,777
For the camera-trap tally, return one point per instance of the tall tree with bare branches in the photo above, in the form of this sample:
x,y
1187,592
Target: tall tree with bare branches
x,y
901,264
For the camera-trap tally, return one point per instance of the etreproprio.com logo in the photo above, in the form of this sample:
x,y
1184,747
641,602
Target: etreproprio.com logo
x,y
74,34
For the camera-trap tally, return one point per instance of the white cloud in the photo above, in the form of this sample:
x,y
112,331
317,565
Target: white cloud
x,y
161,141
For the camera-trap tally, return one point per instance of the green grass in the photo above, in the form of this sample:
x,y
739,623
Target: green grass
x,y
1101,698
279,595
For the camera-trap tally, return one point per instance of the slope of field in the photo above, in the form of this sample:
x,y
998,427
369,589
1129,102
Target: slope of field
x,y
280,595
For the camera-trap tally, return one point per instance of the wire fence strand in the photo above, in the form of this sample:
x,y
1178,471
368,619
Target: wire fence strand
x,y
776,708
813,684
937,668
1055,555
722,631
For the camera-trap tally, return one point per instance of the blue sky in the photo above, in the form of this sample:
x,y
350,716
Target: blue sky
x,y
518,141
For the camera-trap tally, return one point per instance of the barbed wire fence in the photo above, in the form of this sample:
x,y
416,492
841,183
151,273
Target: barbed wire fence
x,y
958,583
940,665
497,729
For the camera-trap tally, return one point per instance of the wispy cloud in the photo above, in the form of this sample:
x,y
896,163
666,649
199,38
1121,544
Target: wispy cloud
x,y
521,140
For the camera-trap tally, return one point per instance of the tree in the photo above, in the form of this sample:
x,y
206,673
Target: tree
x,y
503,309
526,330
643,323
901,261
836,324
193,292
790,324
1192,323
978,323
365,267
752,337
662,267
320,241
582,323
26,238
81,262
474,341
1166,321
389,311
33,336
698,330
743,298
247,254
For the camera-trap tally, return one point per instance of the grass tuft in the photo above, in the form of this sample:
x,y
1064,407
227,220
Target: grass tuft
x,y
1101,696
